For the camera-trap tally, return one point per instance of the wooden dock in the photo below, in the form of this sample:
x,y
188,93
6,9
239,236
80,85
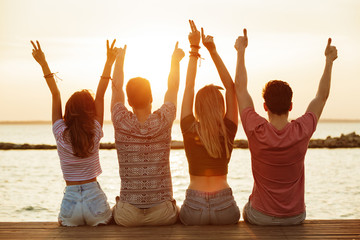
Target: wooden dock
x,y
311,229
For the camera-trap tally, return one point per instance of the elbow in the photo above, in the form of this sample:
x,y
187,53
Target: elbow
x,y
238,86
173,84
55,94
323,97
326,97
241,89
320,100
189,85
99,98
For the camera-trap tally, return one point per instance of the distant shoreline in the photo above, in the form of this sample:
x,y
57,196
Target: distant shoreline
x,y
351,140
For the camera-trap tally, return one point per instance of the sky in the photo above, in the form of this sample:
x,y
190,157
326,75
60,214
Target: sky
x,y
287,39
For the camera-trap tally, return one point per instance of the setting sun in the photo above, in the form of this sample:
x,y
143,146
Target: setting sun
x,y
153,158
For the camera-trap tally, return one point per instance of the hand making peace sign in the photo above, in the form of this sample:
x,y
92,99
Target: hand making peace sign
x,y
111,51
38,54
194,35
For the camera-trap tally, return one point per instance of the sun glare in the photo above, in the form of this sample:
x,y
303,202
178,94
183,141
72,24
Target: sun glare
x,y
150,59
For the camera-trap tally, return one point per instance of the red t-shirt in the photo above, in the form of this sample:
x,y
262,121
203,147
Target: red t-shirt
x,y
277,158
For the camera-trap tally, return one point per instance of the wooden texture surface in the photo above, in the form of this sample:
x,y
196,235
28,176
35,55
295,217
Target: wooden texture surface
x,y
311,229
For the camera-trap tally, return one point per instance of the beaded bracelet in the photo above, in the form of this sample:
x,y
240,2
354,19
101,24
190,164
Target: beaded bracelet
x,y
195,46
49,75
53,75
195,54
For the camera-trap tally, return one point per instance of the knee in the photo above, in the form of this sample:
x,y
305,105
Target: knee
x,y
244,213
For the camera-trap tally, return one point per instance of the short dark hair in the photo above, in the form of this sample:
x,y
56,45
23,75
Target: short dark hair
x,y
138,91
278,96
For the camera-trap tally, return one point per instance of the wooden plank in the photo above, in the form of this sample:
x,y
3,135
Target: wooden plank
x,y
311,229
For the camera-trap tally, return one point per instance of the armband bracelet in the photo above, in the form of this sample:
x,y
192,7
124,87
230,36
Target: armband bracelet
x,y
195,54
52,75
49,75
195,46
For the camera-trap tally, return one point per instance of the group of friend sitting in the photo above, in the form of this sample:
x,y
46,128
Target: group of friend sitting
x,y
142,139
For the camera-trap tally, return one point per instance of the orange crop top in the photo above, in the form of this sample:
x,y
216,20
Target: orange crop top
x,y
200,163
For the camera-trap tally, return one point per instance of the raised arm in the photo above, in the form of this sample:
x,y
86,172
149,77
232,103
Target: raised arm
x,y
316,106
174,76
39,56
118,78
104,81
231,105
243,97
188,99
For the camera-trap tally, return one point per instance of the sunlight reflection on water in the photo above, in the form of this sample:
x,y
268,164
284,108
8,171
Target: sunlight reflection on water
x,y
32,185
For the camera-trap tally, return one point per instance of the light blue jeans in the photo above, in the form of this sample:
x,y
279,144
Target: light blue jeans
x,y
253,216
209,208
84,204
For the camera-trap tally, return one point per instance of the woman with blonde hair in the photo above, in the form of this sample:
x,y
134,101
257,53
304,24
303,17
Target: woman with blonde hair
x,y
77,136
208,140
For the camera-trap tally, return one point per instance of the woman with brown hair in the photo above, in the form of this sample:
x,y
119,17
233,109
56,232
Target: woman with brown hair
x,y
208,140
78,137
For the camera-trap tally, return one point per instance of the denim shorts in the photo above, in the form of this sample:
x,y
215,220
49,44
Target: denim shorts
x,y
253,216
84,204
209,208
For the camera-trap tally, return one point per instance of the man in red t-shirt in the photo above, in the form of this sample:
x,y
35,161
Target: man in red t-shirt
x,y
277,146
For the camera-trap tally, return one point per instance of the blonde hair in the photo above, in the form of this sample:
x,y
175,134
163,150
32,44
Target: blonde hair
x,y
210,112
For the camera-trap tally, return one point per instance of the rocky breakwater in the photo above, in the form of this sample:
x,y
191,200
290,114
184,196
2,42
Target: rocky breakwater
x,y
351,140
25,146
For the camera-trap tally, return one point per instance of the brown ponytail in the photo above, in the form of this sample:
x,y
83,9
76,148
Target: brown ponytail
x,y
79,119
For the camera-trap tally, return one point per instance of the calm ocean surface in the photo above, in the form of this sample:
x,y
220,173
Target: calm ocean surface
x,y
32,186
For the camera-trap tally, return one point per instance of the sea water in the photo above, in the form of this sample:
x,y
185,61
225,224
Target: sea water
x,y
31,183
